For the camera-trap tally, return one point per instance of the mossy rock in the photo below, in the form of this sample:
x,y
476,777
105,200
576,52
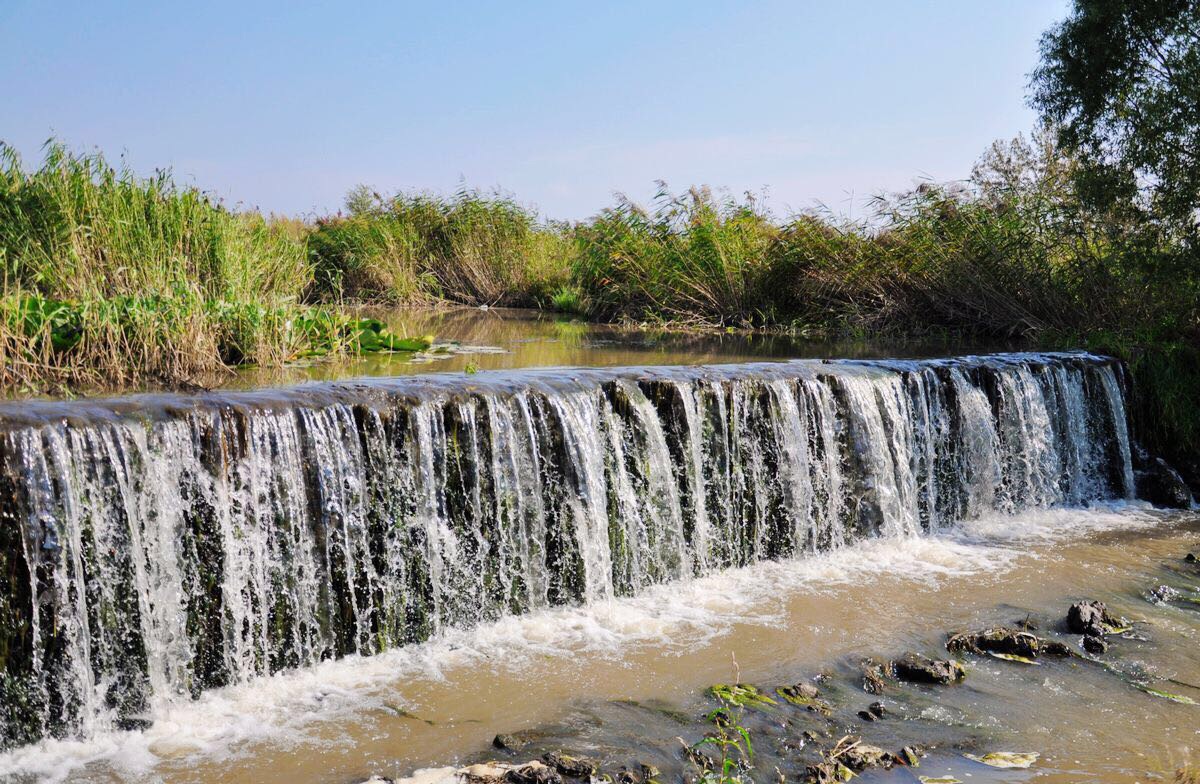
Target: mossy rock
x,y
743,695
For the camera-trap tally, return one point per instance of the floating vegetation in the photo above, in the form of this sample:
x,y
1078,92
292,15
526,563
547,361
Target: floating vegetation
x,y
743,695
1012,657
1006,759
1166,695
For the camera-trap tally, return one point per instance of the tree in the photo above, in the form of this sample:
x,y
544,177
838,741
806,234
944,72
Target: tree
x,y
1120,80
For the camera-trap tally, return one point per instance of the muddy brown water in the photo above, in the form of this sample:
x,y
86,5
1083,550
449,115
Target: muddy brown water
x,y
621,679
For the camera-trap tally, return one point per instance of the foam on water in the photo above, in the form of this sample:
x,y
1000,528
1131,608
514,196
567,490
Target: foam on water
x,y
293,707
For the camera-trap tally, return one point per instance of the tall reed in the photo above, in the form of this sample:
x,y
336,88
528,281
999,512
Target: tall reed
x,y
109,278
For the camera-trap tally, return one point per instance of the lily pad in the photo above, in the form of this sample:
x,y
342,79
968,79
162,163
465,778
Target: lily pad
x,y
939,780
1006,759
1012,657
1166,695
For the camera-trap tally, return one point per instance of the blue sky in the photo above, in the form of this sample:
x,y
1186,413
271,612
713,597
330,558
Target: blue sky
x,y
285,107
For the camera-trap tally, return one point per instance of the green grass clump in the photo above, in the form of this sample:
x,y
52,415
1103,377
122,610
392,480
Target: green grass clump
x,y
111,280
472,248
692,258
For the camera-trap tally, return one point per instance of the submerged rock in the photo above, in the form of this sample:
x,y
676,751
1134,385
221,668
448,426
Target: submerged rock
x,y
514,741
1092,617
921,669
799,694
805,695
1161,594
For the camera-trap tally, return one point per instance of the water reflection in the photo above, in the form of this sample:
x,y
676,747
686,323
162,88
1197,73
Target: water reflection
x,y
534,339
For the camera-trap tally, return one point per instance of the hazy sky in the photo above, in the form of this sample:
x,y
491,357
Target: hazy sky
x,y
287,106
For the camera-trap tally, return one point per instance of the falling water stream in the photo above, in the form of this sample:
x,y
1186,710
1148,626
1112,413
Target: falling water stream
x,y
161,549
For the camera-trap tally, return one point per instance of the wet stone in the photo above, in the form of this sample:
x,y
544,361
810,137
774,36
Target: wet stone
x,y
873,676
513,741
1091,617
533,773
1161,485
800,692
1094,644
1005,640
570,766
859,756
1161,594
921,669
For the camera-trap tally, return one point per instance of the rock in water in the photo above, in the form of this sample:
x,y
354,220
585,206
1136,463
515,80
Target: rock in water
x,y
860,756
572,767
533,773
1161,594
1007,641
1091,617
872,671
512,741
800,692
1094,644
1162,485
921,669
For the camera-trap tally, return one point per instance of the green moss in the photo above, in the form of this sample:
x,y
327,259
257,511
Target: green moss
x,y
742,695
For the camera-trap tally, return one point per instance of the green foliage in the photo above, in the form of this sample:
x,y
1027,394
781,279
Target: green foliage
x,y
742,695
111,279
78,228
472,248
693,258
157,337
730,740
1121,81
569,299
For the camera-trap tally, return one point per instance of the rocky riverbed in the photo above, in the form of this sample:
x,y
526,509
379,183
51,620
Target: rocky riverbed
x,y
927,714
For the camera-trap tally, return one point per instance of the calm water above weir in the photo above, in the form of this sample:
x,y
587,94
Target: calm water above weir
x,y
331,580
510,339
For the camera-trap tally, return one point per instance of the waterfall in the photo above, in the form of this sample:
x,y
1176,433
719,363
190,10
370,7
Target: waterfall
x,y
152,547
